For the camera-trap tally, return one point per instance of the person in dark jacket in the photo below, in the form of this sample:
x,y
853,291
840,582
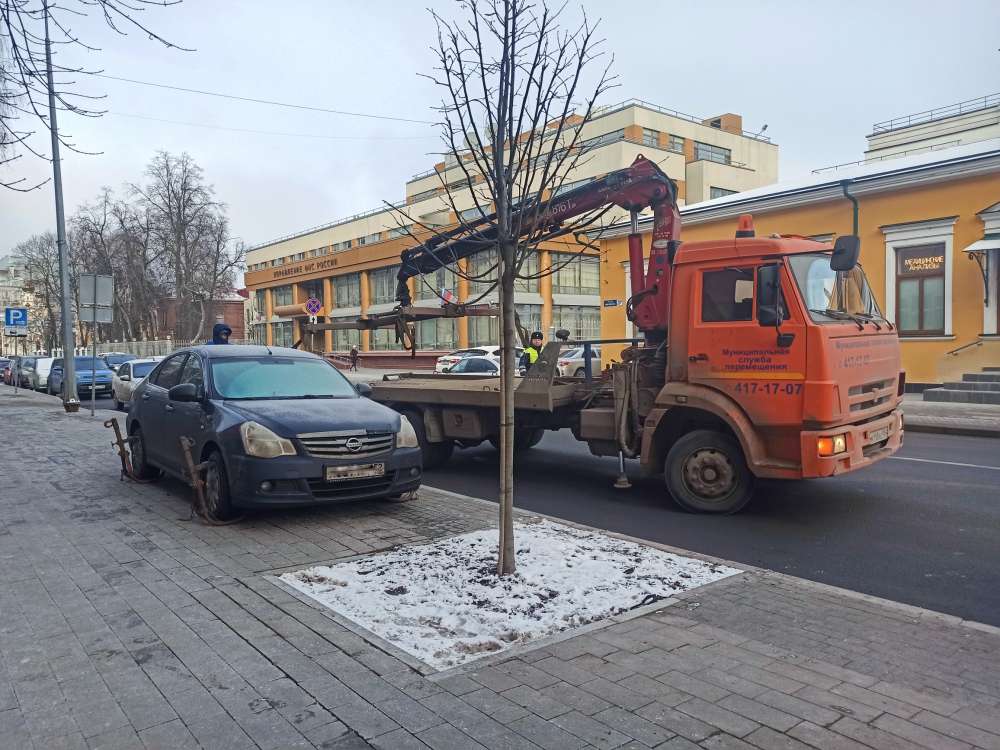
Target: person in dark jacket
x,y
220,334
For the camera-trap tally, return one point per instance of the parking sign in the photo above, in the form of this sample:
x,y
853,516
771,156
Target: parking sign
x,y
15,317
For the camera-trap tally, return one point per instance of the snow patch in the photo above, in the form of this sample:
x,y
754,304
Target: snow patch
x,y
443,602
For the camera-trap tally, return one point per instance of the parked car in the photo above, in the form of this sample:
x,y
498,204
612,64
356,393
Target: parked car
x,y
276,427
26,369
474,366
571,362
492,352
116,359
127,378
4,369
38,377
86,368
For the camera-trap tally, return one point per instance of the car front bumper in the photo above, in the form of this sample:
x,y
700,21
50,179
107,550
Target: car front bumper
x,y
299,480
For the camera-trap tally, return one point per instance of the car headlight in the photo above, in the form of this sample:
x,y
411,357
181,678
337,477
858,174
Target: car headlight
x,y
407,436
261,442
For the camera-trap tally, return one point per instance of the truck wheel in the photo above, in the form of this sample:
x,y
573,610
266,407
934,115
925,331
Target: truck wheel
x,y
523,439
434,455
706,472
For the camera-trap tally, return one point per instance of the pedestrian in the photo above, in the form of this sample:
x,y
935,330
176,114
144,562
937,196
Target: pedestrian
x,y
531,351
354,358
220,334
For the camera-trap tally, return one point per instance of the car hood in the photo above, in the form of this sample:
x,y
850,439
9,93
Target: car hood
x,y
289,417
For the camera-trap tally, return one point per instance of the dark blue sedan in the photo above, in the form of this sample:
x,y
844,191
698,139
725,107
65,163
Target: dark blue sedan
x,y
275,426
88,370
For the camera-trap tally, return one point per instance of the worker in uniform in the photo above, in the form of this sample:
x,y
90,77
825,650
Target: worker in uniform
x,y
531,352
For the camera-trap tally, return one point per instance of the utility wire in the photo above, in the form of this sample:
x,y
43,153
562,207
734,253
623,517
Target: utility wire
x,y
263,101
274,132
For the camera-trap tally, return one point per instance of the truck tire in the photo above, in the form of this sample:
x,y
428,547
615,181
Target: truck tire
x,y
523,439
705,472
434,455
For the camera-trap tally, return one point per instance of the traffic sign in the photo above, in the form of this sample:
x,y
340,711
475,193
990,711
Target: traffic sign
x,y
313,306
13,331
15,317
612,302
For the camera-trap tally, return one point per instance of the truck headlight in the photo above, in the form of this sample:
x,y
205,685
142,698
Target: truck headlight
x,y
263,443
831,446
407,436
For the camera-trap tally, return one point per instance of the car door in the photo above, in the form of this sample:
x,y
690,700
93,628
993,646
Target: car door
x,y
55,376
152,411
185,419
119,386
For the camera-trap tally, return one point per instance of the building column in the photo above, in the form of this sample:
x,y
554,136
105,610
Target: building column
x,y
329,305
463,295
365,301
268,312
296,320
545,289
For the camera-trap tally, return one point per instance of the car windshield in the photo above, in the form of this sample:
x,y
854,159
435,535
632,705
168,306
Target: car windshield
x,y
830,294
279,377
143,369
90,363
117,359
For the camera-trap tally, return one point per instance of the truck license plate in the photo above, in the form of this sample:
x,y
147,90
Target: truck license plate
x,y
356,471
877,436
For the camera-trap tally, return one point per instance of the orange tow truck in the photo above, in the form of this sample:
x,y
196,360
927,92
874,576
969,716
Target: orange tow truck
x,y
758,357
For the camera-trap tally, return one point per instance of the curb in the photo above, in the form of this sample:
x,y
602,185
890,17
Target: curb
x,y
912,425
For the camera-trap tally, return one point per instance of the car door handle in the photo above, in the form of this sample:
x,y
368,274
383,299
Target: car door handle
x,y
145,397
698,358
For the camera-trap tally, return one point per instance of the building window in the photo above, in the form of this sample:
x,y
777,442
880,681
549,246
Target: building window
x,y
676,144
258,334
582,322
382,285
424,195
369,239
430,285
712,153
319,252
300,256
441,333
400,231
338,246
527,277
920,290
567,186
581,275
259,309
383,340
727,295
482,271
281,295
485,331
347,290
602,140
717,192
312,288
282,334
344,340
471,214
651,138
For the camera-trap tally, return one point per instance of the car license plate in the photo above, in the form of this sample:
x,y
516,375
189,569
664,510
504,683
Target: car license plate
x,y
877,436
356,471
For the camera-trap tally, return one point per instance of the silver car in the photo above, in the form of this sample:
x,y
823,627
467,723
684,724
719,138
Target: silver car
x,y
127,377
35,371
571,363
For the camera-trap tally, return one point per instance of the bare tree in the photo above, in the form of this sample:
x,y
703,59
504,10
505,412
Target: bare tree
x,y
41,258
519,86
24,83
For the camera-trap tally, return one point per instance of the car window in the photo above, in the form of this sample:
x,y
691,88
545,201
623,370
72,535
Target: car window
x,y
277,377
483,365
142,369
168,373
461,366
125,371
192,372
56,363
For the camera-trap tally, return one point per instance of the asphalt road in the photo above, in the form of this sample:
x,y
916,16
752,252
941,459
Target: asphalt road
x,y
918,528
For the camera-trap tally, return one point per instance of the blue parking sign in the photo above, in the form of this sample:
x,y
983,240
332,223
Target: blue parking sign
x,y
15,317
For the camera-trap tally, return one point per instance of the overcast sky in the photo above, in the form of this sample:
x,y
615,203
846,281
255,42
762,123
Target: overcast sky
x,y
818,74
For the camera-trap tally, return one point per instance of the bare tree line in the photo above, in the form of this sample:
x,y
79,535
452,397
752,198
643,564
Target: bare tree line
x,y
166,239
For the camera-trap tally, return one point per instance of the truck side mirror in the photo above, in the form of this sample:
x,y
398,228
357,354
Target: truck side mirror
x,y
846,251
769,312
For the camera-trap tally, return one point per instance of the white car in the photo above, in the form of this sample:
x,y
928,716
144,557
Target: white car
x,y
127,377
490,352
483,366
571,362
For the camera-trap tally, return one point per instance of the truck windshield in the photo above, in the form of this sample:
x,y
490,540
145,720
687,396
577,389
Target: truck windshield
x,y
279,377
833,295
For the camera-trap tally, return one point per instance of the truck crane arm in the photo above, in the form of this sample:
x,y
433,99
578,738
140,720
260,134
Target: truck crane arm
x,y
636,187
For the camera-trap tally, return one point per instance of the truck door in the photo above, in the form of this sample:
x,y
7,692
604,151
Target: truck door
x,y
730,351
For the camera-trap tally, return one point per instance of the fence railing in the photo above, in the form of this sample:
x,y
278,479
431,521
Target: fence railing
x,y
938,113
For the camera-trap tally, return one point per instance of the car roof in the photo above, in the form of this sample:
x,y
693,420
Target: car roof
x,y
236,351
143,361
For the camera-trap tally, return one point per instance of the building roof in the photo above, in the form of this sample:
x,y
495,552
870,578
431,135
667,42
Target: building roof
x,y
867,177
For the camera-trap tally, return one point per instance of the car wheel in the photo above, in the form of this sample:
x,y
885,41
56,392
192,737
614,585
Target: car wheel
x,y
432,454
580,372
705,472
523,439
141,468
218,501
115,402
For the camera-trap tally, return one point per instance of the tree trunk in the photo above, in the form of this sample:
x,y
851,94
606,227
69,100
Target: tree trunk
x,y
508,342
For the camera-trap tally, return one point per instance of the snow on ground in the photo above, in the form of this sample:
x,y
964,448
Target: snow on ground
x,y
444,604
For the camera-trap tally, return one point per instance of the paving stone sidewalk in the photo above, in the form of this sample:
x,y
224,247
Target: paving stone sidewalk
x,y
982,420
122,625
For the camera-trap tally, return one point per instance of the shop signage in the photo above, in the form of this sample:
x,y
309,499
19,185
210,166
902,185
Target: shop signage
x,y
926,262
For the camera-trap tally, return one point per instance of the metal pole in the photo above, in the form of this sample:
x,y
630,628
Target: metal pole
x,y
17,374
93,359
71,401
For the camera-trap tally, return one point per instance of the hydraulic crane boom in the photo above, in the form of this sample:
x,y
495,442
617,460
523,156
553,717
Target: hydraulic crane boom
x,y
641,185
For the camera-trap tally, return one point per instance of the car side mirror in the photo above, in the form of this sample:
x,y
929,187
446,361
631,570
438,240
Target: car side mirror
x,y
364,390
125,378
769,311
185,392
846,251
448,369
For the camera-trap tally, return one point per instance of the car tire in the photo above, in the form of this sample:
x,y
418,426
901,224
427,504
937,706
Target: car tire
x,y
433,455
141,468
705,472
523,439
115,402
580,372
218,500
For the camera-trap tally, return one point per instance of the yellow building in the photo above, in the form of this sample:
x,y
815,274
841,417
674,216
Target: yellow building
x,y
930,236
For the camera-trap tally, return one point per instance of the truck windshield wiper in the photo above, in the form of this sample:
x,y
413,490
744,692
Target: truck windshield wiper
x,y
840,315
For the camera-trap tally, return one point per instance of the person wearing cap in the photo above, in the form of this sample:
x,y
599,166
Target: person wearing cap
x,y
220,334
531,351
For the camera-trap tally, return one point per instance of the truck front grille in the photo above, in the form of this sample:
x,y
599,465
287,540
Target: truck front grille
x,y
346,444
870,395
